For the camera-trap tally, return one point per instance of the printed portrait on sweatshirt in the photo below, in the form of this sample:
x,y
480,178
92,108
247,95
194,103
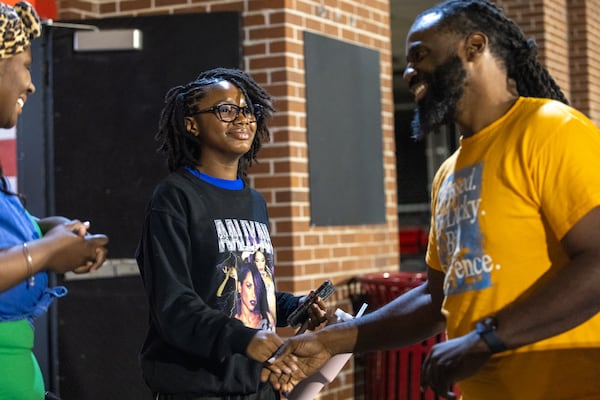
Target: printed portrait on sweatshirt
x,y
246,288
252,306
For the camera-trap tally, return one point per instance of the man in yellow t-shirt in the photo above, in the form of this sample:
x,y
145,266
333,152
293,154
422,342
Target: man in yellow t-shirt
x,y
498,220
514,249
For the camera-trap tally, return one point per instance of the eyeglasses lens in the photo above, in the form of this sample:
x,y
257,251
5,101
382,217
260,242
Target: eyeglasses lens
x,y
230,112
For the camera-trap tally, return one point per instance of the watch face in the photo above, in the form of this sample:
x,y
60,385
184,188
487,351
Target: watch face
x,y
486,328
487,324
490,322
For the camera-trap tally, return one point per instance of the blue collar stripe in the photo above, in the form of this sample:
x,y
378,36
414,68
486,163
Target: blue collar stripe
x,y
236,184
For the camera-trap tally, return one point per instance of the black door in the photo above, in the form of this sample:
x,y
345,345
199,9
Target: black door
x,y
105,110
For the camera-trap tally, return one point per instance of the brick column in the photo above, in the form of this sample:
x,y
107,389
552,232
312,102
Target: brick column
x,y
584,34
545,21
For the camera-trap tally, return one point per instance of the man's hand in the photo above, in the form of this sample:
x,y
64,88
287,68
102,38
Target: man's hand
x,y
452,361
306,352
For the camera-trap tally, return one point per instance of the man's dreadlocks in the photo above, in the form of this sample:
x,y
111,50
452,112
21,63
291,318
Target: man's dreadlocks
x,y
507,43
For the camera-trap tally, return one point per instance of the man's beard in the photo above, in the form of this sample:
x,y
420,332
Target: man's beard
x,y
444,90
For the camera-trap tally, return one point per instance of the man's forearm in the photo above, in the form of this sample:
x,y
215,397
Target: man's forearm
x,y
557,303
409,318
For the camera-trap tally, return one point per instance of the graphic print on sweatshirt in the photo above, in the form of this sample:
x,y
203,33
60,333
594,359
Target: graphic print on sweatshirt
x,y
247,290
460,247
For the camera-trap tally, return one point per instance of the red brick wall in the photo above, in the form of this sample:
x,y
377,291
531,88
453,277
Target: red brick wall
x,y
584,33
568,36
546,22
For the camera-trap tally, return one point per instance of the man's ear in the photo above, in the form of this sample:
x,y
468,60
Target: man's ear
x,y
475,45
191,126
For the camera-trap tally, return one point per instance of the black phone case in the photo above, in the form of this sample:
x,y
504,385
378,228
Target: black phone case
x,y
300,314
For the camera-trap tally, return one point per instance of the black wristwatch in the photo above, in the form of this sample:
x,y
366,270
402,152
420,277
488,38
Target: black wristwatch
x,y
486,328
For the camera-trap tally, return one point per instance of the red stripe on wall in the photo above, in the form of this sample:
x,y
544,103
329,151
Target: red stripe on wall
x,y
44,8
8,156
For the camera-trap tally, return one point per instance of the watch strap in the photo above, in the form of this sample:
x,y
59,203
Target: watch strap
x,y
486,329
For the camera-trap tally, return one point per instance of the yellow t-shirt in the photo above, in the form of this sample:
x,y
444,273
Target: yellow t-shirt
x,y
500,206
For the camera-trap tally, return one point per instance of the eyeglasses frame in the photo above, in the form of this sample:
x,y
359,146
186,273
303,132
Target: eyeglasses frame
x,y
215,110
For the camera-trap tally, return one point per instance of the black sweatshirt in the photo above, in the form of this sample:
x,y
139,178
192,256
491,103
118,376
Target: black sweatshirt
x,y
192,231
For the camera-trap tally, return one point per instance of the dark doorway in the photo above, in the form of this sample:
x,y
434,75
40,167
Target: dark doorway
x,y
104,113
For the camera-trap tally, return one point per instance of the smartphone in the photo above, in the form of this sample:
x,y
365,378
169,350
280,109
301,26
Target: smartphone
x,y
300,314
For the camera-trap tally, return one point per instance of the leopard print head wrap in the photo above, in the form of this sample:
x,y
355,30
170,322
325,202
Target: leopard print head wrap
x,y
18,26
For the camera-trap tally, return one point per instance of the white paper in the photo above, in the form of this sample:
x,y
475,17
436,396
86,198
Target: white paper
x,y
310,387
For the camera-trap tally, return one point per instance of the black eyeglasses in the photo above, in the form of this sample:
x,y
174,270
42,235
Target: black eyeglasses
x,y
230,112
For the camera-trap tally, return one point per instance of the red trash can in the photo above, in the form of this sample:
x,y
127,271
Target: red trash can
x,y
394,374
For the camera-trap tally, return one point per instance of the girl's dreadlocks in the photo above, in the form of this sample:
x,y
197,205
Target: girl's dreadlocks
x,y
507,43
181,147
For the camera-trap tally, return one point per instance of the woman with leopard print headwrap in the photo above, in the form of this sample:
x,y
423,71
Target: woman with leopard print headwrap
x,y
29,247
18,26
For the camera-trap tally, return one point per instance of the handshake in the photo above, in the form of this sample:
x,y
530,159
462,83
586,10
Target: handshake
x,y
288,363
319,356
296,359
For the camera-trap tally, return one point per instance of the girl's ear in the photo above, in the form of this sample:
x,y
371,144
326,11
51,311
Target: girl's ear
x,y
191,126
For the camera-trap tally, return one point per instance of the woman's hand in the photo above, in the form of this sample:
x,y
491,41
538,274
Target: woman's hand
x,y
263,345
73,249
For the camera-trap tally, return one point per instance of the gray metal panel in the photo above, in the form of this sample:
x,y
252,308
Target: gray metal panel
x,y
345,136
108,40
